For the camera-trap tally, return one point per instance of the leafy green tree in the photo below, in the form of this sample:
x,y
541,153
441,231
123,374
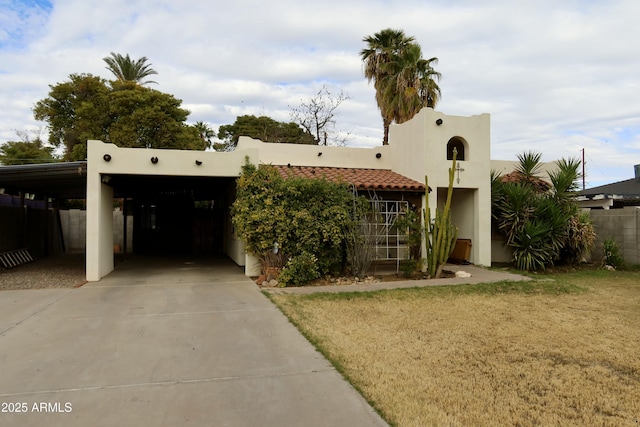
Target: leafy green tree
x,y
126,69
75,111
404,82
263,128
26,151
124,113
147,118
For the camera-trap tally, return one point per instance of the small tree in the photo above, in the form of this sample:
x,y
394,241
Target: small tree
x,y
317,116
360,235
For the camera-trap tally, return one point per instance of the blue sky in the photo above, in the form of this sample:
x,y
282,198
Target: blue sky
x,y
556,77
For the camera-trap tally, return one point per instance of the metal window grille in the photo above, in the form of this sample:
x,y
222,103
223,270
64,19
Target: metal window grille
x,y
391,242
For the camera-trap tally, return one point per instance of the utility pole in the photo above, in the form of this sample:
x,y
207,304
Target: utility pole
x,y
583,183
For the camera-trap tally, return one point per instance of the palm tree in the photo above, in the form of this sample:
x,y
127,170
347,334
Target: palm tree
x,y
382,47
409,84
404,82
205,132
127,69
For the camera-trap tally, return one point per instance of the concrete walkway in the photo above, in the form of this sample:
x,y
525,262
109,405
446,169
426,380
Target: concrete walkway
x,y
478,275
164,343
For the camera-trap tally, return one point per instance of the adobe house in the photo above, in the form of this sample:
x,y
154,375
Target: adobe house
x,y
181,199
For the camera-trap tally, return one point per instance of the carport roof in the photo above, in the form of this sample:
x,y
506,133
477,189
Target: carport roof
x,y
66,180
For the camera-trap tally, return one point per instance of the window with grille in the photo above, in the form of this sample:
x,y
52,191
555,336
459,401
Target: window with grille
x,y
391,242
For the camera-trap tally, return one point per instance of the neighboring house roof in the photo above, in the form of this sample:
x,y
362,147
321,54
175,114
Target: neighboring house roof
x,y
625,192
537,183
363,179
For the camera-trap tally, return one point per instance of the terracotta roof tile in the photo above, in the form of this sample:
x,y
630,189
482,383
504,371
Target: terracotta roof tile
x,y
516,176
363,179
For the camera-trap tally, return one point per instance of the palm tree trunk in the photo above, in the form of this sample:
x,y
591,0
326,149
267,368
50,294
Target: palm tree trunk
x,y
385,138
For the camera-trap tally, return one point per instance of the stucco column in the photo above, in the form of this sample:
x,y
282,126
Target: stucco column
x,y
482,226
99,255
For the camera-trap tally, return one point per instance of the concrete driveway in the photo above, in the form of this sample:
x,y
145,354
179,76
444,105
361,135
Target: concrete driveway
x,y
164,343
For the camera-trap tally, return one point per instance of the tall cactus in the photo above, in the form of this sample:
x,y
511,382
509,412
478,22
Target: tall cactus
x,y
441,233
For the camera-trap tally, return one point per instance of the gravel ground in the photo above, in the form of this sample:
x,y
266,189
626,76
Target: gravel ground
x,y
58,271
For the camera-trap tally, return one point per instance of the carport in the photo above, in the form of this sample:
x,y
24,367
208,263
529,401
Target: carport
x,y
176,211
179,199
175,214
30,197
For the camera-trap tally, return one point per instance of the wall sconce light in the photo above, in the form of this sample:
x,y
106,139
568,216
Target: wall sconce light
x,y
198,162
439,122
378,155
107,157
154,160
320,154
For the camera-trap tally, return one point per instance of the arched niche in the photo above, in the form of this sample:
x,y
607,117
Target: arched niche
x,y
459,144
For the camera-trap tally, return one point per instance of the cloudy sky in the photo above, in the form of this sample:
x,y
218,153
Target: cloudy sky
x,y
557,76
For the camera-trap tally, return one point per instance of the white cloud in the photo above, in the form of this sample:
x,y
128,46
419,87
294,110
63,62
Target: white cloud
x,y
555,76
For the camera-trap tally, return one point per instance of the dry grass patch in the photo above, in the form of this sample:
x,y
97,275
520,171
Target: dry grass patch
x,y
561,352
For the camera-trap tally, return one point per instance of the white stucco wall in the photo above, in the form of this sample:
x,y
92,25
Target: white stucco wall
x,y
137,161
420,148
416,148
309,155
99,256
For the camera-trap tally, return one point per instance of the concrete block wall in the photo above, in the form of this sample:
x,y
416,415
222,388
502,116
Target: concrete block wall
x,y
74,226
74,229
621,224
118,230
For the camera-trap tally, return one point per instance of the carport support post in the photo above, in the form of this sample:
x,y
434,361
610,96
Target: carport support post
x,y
124,231
99,226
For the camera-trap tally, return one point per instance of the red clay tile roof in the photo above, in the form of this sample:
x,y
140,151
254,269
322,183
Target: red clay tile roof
x,y
516,176
363,179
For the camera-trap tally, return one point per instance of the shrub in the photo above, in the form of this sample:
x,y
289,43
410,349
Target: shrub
x,y
360,235
541,223
612,255
582,237
298,215
299,270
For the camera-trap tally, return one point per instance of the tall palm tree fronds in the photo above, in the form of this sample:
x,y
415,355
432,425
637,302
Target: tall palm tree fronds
x,y
205,132
565,177
529,164
393,46
127,69
409,84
